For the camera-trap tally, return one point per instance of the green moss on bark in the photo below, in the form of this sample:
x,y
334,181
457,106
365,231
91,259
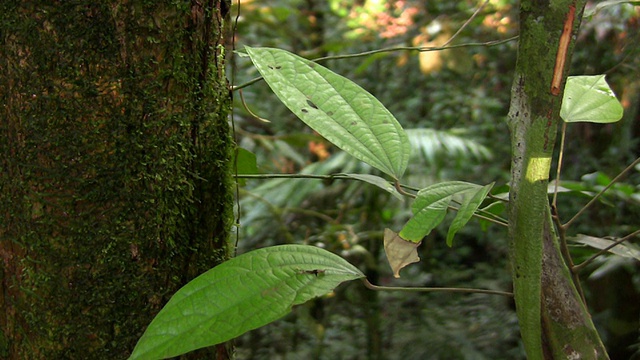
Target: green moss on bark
x,y
117,186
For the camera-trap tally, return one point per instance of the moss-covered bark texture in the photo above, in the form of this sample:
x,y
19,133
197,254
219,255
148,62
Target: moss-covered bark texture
x,y
554,321
114,179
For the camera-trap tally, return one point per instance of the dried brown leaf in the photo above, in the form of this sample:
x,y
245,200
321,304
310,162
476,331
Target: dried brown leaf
x,y
400,252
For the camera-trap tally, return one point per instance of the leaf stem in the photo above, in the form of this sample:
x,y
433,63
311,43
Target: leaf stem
x,y
244,104
400,189
595,198
370,286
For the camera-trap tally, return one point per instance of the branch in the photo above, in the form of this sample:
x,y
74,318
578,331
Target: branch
x,y
473,16
370,286
582,265
399,187
595,198
390,49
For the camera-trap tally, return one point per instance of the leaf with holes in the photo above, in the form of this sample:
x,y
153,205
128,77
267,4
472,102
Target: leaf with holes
x,y
338,109
239,295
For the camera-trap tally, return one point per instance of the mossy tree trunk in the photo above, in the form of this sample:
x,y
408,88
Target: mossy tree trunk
x,y
115,182
554,320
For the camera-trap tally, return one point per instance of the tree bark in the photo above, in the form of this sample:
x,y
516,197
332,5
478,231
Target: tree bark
x,y
115,179
554,320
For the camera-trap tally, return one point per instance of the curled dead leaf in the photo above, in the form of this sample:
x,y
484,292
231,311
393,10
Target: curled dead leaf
x,y
400,252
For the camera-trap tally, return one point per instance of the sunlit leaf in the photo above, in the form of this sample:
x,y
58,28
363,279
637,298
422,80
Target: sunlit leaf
x,y
335,107
239,295
430,208
400,252
623,249
590,99
470,203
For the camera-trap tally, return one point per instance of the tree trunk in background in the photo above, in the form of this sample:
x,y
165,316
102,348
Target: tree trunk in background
x,y
553,318
115,185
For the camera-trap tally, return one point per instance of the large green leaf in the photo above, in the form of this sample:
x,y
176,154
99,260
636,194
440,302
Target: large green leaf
x,y
338,109
590,99
239,295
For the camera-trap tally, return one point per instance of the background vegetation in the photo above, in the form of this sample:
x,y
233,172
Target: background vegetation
x,y
456,101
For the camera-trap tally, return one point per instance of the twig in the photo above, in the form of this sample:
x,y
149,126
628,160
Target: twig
x,y
414,48
399,187
244,104
390,49
595,198
557,182
294,176
581,266
234,68
497,220
370,286
475,13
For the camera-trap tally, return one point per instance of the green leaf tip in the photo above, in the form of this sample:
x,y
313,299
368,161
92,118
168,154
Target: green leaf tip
x,y
338,109
239,295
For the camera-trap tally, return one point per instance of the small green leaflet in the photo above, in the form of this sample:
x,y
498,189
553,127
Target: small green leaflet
x,y
338,109
239,295
430,208
469,205
590,99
